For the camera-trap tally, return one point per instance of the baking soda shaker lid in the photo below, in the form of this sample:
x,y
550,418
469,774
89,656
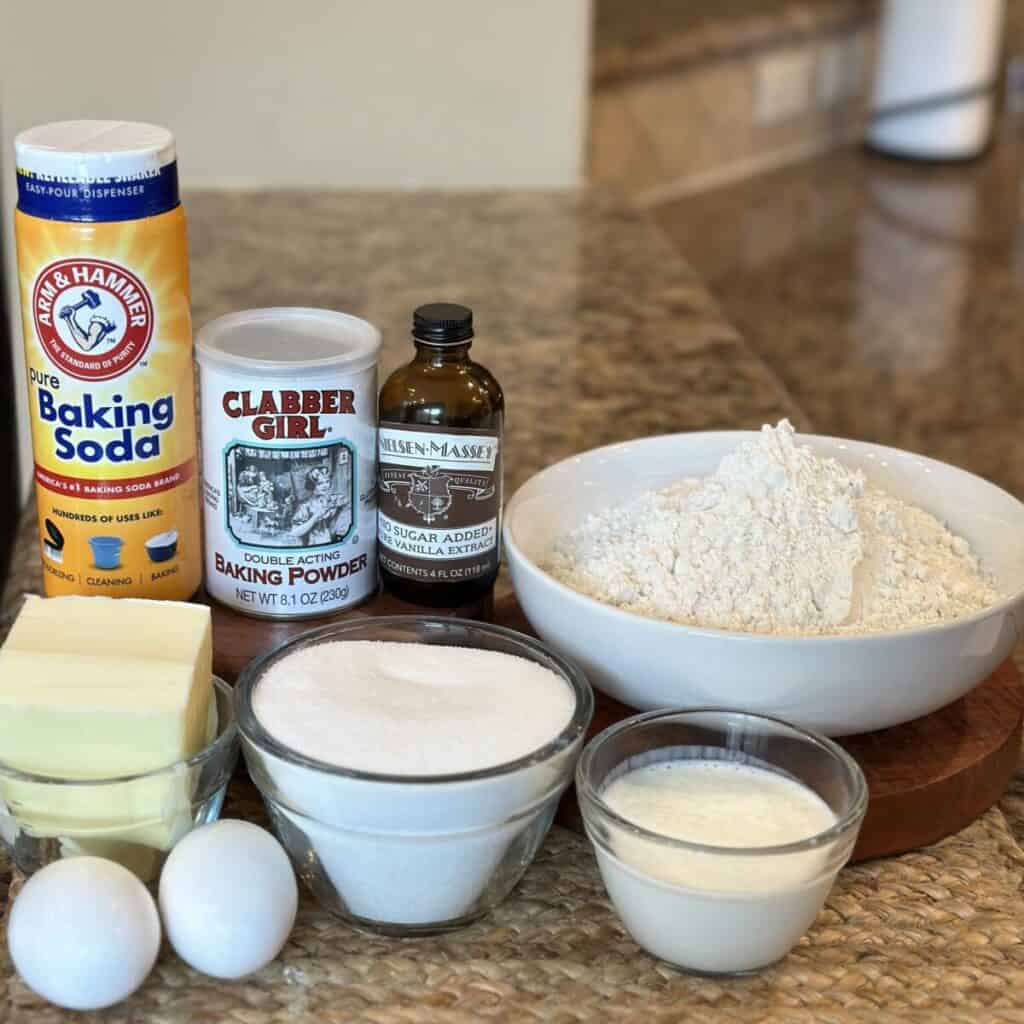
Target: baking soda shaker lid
x,y
96,170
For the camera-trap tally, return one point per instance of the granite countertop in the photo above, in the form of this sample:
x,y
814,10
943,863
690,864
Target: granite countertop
x,y
889,295
596,329
598,332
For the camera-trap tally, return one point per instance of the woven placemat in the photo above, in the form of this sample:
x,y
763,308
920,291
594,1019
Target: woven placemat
x,y
934,934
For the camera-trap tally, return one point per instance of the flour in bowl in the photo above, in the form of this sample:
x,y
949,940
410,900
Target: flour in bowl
x,y
778,540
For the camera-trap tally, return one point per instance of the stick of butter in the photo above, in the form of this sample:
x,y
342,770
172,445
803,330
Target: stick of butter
x,y
92,687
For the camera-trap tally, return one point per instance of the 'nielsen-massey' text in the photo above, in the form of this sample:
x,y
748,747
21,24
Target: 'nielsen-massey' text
x,y
467,451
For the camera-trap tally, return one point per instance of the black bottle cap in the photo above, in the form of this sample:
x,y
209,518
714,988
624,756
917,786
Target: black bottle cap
x,y
442,323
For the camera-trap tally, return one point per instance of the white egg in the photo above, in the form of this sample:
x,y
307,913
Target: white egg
x,y
228,898
84,933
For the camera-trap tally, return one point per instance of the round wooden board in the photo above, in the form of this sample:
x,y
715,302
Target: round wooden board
x,y
928,778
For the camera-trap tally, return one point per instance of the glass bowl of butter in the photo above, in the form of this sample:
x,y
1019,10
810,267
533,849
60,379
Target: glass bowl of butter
x,y
133,819
412,764
115,737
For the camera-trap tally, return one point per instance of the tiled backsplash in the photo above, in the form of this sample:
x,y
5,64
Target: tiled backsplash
x,y
694,94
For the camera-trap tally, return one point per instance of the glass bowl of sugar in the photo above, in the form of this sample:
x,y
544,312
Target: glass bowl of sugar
x,y
718,833
412,765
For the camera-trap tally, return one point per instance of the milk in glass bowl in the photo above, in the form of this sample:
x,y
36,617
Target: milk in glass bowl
x,y
718,833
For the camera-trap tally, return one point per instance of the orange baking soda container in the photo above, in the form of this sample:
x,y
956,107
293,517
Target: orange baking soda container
x,y
103,271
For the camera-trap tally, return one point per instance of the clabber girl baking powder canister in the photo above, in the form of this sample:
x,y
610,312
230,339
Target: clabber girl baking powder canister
x,y
289,404
103,267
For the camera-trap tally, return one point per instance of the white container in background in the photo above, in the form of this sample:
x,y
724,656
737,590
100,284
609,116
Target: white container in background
x,y
289,442
937,62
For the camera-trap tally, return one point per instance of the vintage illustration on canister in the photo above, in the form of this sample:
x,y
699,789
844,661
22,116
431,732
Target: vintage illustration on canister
x,y
289,497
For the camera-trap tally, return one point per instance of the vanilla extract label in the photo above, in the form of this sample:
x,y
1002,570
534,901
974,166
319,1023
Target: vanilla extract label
x,y
439,498
437,544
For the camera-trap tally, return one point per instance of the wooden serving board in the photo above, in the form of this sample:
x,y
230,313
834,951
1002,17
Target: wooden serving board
x,y
927,779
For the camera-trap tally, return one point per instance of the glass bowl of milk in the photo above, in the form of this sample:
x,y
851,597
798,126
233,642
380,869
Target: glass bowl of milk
x,y
412,765
718,833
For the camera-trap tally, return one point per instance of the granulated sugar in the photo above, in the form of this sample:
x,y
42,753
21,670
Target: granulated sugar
x,y
411,709
406,851
778,540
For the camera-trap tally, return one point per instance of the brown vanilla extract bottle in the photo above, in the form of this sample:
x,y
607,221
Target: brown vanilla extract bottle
x,y
439,467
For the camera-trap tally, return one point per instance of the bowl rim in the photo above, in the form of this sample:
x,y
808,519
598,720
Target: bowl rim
x,y
253,731
1004,606
590,798
220,743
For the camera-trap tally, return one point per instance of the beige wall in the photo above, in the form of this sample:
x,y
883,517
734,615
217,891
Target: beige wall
x,y
381,93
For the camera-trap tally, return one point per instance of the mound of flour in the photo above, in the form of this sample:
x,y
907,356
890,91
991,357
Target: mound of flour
x,y
778,540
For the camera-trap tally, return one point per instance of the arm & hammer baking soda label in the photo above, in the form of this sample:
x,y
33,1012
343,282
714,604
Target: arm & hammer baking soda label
x,y
103,269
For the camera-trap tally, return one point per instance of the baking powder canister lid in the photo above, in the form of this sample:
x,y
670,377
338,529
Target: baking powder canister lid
x,y
284,341
96,170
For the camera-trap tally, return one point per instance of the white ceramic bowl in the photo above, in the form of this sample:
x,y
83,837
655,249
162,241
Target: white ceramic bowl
x,y
837,685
